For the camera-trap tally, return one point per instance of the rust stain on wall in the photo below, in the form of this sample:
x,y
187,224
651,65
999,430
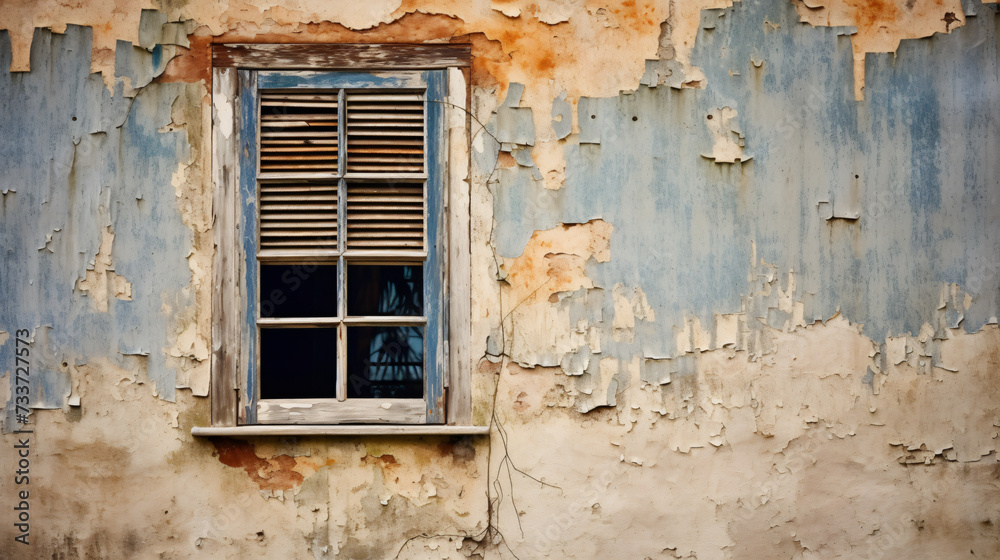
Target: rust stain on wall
x,y
274,473
881,24
873,14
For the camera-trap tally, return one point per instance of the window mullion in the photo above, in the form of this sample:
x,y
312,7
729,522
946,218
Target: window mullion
x,y
341,244
342,328
342,362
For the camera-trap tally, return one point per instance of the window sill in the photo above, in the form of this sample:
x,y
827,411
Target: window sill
x,y
340,430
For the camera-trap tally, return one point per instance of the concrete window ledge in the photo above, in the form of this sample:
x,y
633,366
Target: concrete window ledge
x,y
340,430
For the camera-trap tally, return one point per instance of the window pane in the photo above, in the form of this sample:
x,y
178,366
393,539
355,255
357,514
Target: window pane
x,y
298,363
298,290
385,290
385,362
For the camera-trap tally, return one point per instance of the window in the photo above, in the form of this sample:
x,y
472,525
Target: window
x,y
341,217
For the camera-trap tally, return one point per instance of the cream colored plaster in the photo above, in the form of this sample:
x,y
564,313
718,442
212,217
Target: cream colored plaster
x,y
553,265
789,453
111,21
101,282
628,308
727,138
882,24
189,353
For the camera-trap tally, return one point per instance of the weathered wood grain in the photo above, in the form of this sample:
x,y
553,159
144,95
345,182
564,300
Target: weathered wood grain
x,y
225,305
353,411
459,403
395,56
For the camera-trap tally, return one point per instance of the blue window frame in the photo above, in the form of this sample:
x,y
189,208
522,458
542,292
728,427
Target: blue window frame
x,y
342,202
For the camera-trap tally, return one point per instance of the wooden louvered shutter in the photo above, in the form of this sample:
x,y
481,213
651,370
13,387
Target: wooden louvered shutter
x,y
385,132
299,132
385,135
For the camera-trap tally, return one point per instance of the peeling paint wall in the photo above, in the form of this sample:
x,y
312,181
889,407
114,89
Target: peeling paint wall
x,y
735,287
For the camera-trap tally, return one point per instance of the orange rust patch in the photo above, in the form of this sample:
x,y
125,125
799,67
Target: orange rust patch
x,y
196,63
269,474
489,61
555,261
193,66
504,49
873,13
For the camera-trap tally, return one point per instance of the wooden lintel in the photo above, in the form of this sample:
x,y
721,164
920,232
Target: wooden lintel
x,y
313,56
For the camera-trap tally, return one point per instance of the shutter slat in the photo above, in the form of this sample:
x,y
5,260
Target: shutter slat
x,y
380,142
297,244
298,97
399,210
285,166
275,134
386,198
393,126
307,104
286,233
296,116
400,217
288,126
298,198
404,118
387,159
306,224
368,150
297,157
385,189
302,217
298,149
309,144
267,188
363,97
361,167
383,244
331,207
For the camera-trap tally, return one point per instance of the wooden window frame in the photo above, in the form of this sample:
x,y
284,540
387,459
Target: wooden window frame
x,y
233,363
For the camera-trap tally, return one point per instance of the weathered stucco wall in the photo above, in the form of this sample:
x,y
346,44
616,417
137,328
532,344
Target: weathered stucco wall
x,y
736,280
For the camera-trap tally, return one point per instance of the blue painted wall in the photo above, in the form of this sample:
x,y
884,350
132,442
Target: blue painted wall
x,y
75,158
916,160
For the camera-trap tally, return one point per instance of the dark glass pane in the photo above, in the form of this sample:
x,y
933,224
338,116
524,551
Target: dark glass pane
x,y
298,290
298,363
385,362
385,290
